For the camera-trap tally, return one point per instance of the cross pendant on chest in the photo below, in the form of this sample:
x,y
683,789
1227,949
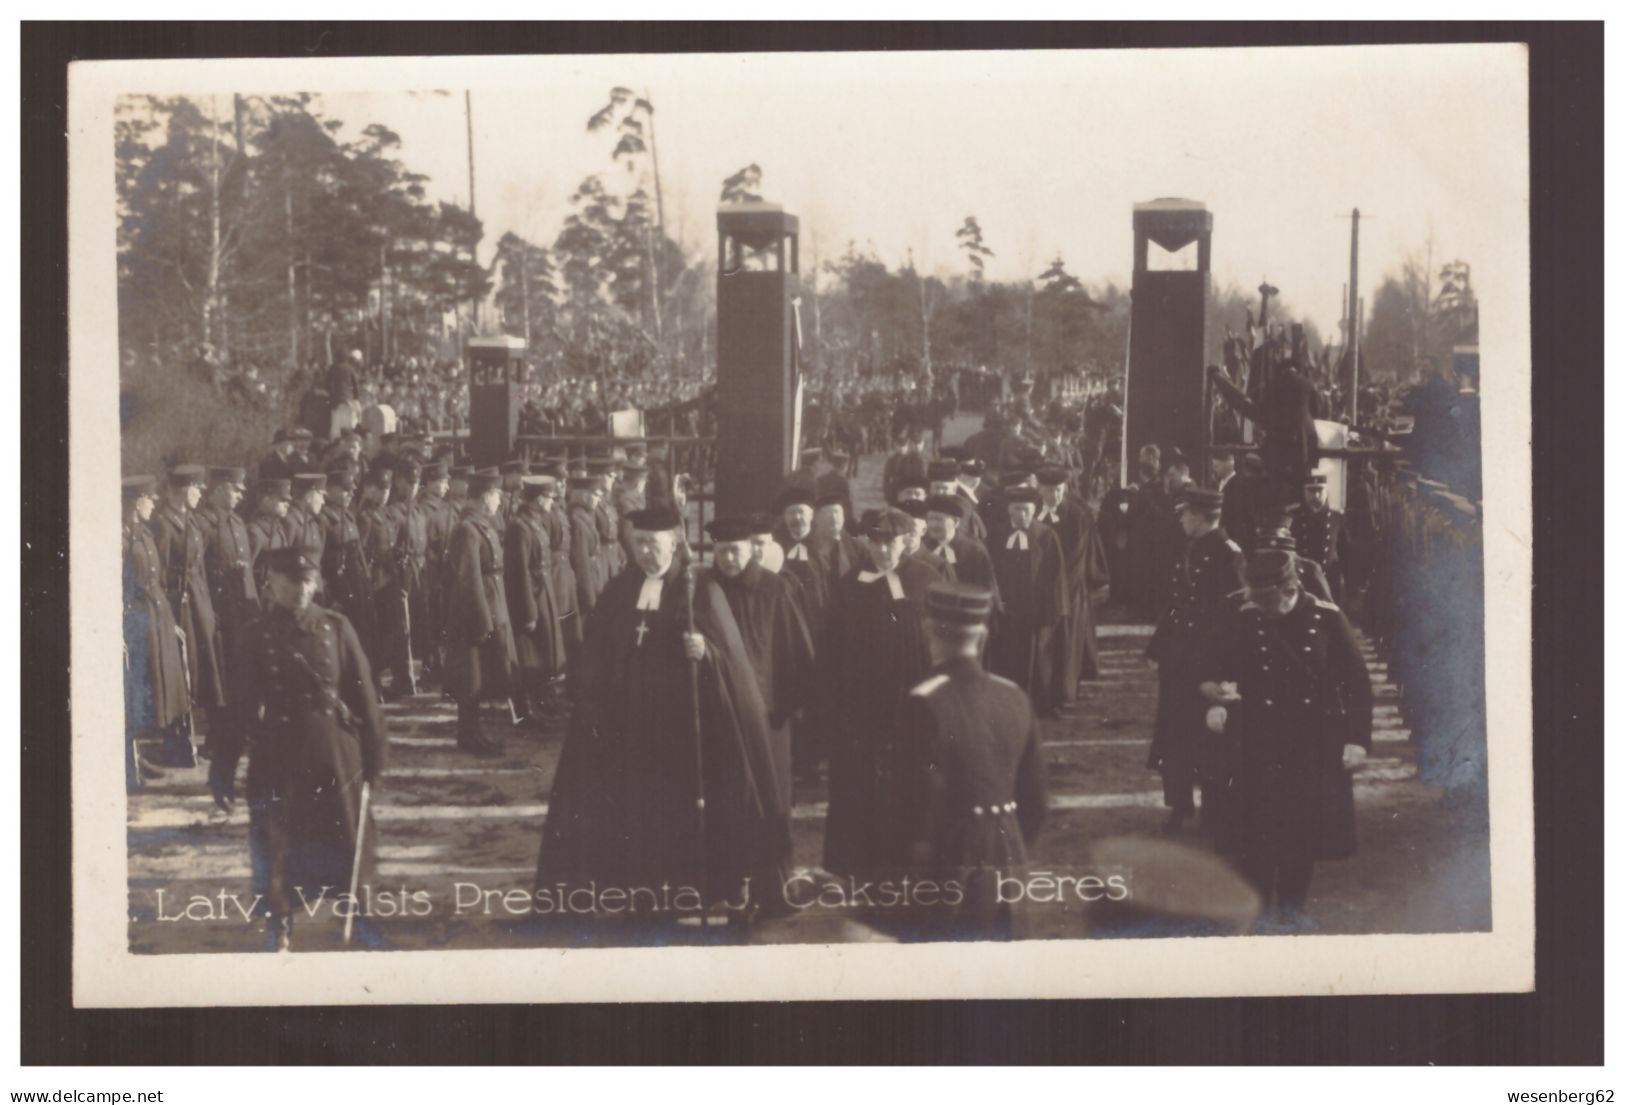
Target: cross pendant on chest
x,y
642,631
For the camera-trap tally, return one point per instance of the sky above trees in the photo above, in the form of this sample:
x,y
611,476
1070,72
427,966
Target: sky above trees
x,y
1049,150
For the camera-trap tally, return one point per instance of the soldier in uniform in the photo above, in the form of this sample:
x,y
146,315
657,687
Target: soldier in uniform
x,y
345,571
479,637
377,530
532,608
401,612
513,476
440,516
1321,535
304,710
180,543
228,561
302,525
561,574
586,562
609,529
969,774
155,697
1295,720
268,528
628,496
1205,576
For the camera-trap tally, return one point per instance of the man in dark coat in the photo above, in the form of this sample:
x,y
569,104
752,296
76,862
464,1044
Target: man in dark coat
x,y
278,463
877,651
969,773
967,486
1087,577
835,485
532,609
229,563
647,763
1207,573
181,548
908,464
777,641
1031,569
1285,415
1295,721
155,699
1248,495
479,637
302,696
1321,535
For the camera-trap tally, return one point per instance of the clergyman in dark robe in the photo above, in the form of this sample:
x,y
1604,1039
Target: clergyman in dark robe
x,y
775,633
877,651
667,713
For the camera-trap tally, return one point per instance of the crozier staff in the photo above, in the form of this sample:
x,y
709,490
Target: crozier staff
x,y
304,702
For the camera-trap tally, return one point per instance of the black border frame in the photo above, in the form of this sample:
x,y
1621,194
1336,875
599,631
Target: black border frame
x,y
1560,1023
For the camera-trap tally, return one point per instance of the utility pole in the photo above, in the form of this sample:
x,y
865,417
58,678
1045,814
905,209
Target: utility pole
x,y
1354,316
473,211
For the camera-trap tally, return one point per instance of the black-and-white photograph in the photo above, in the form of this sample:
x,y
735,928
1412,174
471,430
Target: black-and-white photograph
x,y
976,503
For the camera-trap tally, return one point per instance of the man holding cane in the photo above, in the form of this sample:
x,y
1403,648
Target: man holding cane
x,y
304,702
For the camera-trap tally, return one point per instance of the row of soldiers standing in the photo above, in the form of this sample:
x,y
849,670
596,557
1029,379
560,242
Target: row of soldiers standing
x,y
475,580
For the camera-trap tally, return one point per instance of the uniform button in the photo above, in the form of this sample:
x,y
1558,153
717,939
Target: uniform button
x,y
1269,702
1308,648
1308,702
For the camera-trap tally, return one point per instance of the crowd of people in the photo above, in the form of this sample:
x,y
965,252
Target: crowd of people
x,y
902,653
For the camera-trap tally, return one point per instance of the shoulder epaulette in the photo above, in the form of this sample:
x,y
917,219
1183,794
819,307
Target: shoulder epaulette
x,y
1229,541
929,686
1324,603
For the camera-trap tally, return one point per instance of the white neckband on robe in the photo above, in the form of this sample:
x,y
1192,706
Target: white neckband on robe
x,y
968,492
947,553
1048,515
1017,540
649,593
797,551
893,584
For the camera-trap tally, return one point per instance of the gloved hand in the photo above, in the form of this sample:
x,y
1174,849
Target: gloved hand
x,y
1353,756
1216,717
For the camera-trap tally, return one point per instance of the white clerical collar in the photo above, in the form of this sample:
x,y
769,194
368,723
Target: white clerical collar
x,y
946,551
796,551
1048,515
968,492
649,593
1017,540
893,584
